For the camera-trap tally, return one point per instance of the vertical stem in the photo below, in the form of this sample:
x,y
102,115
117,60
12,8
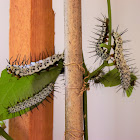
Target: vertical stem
x,y
110,24
85,115
74,75
85,105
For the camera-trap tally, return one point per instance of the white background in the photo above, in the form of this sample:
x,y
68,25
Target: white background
x,y
110,115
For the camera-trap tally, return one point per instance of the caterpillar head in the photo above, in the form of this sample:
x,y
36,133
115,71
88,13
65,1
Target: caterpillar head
x,y
63,56
54,58
98,77
10,68
115,35
60,56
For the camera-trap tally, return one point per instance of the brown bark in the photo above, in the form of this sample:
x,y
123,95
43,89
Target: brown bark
x,y
31,33
73,57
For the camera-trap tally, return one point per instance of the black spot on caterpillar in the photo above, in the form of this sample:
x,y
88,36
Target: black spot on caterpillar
x,y
33,67
120,61
32,102
103,35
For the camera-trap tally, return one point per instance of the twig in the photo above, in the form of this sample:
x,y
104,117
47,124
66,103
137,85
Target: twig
x,y
110,24
4,134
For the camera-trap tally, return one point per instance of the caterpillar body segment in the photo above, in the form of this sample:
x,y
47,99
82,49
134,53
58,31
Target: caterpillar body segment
x,y
33,67
32,101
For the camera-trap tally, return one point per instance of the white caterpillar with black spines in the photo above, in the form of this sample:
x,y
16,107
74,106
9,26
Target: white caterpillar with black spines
x,y
32,101
121,62
100,51
34,67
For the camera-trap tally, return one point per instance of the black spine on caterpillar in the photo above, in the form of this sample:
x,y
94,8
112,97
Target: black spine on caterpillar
x,y
120,61
32,101
34,67
100,51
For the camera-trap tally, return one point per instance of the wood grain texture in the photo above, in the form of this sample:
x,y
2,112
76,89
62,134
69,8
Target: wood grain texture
x,y
74,75
31,33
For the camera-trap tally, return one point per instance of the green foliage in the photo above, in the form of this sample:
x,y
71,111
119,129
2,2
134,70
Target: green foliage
x,y
13,90
2,124
112,78
130,89
105,46
133,79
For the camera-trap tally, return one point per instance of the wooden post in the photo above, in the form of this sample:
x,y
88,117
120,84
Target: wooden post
x,y
73,58
31,33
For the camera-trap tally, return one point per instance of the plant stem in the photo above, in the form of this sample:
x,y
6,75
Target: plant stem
x,y
105,46
85,115
84,66
97,70
85,94
110,24
105,63
109,43
111,64
4,134
85,104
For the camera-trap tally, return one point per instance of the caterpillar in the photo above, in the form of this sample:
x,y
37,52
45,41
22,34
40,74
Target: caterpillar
x,y
33,67
98,77
32,101
103,34
120,61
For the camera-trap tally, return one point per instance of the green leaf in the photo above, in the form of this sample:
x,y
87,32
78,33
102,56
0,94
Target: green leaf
x,y
132,82
129,91
2,124
104,45
13,90
112,78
